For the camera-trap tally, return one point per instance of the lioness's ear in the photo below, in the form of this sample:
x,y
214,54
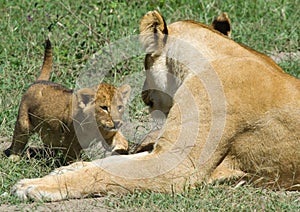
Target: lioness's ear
x,y
222,24
153,33
85,96
125,91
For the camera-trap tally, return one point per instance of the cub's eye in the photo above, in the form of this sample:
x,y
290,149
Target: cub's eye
x,y
120,107
105,108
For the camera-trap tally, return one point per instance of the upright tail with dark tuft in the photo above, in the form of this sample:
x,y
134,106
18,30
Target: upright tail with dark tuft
x,y
47,64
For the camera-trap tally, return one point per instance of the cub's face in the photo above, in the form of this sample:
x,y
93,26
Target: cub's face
x,y
106,104
109,105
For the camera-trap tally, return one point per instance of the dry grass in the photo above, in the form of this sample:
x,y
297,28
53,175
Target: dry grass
x,y
80,30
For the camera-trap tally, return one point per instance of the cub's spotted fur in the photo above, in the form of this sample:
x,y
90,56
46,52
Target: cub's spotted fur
x,y
64,117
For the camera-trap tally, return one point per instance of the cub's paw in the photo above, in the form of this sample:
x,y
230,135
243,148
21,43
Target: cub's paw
x,y
119,152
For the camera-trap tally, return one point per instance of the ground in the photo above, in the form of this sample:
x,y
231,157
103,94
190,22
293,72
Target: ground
x,y
91,204
79,31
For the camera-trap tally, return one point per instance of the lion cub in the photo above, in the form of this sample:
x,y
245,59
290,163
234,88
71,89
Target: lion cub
x,y
70,120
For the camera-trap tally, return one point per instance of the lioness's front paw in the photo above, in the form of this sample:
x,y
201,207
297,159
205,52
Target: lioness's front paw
x,y
23,189
36,189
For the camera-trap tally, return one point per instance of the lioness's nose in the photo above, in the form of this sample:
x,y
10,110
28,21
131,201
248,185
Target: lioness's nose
x,y
117,124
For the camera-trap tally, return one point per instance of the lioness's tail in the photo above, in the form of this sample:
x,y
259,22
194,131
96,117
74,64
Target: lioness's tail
x,y
47,64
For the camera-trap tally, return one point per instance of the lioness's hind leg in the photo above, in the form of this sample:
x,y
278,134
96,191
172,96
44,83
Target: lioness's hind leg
x,y
226,171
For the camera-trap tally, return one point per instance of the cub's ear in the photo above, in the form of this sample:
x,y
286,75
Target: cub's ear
x,y
153,33
222,24
125,92
85,96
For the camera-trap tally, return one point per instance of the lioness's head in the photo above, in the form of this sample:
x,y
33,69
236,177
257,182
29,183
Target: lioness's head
x,y
107,103
161,65
158,87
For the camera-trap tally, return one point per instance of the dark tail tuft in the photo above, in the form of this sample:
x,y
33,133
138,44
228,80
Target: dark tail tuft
x,y
47,64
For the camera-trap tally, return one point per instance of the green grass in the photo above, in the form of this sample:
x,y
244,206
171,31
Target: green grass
x,y
84,27
209,198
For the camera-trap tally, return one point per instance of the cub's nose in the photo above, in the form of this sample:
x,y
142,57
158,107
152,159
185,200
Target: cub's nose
x,y
117,124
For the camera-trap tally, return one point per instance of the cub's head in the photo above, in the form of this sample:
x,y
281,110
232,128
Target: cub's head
x,y
110,105
106,102
163,73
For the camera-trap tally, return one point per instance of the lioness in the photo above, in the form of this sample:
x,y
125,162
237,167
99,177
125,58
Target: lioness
x,y
58,114
235,113
222,24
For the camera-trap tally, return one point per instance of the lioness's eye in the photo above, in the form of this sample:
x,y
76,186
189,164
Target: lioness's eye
x,y
105,108
120,107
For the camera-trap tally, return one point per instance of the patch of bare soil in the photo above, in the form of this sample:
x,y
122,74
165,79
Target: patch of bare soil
x,y
279,57
91,204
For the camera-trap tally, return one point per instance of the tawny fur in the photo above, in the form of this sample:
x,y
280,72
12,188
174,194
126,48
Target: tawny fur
x,y
152,97
222,24
236,114
61,115
47,64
